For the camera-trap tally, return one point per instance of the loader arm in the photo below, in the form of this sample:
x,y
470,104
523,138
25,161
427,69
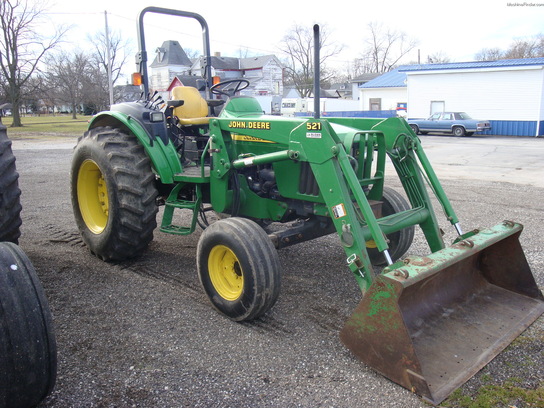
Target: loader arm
x,y
345,188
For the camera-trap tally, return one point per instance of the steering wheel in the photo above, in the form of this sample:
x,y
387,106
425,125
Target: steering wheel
x,y
222,88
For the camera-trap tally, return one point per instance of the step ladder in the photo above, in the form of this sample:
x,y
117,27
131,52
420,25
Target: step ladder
x,y
172,203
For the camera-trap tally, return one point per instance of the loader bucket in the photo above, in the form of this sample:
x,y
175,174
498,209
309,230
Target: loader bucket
x,y
432,323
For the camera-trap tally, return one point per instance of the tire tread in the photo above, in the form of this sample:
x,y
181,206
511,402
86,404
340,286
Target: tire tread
x,y
10,202
130,167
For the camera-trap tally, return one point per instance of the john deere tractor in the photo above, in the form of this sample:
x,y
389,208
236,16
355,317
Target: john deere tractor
x,y
209,150
28,353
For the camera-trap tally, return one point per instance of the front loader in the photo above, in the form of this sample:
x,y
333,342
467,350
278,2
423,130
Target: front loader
x,y
210,151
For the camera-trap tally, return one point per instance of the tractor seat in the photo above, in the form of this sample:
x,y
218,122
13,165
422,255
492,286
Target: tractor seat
x,y
194,110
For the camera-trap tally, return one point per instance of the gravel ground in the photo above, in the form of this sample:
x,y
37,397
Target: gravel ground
x,y
142,333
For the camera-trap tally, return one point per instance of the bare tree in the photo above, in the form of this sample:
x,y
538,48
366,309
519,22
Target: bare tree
x,y
119,51
192,53
438,57
489,54
298,45
526,48
21,47
67,76
531,47
385,47
95,89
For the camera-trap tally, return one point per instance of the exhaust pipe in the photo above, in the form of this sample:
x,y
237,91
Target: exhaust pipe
x,y
317,74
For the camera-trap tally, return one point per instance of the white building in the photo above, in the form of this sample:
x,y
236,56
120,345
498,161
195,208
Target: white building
x,y
385,93
265,73
508,93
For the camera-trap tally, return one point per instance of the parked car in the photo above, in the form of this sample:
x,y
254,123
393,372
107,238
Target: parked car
x,y
457,123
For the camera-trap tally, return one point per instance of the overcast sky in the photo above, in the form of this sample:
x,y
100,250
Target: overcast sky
x,y
457,29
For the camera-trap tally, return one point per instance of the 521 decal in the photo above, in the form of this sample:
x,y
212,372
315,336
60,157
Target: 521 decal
x,y
313,125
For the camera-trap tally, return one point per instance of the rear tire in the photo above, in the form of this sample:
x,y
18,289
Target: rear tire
x,y
399,242
459,131
10,205
238,267
28,351
113,194
415,128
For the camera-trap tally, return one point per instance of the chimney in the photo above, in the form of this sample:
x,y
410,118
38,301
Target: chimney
x,y
217,54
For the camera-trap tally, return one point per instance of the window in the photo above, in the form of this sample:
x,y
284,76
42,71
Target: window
x,y
375,104
438,106
462,115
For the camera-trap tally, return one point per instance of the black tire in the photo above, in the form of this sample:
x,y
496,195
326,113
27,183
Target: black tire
x,y
10,205
399,242
415,128
238,267
459,131
28,351
113,194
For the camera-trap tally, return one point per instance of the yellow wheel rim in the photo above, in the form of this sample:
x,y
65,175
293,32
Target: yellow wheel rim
x,y
92,195
371,244
225,273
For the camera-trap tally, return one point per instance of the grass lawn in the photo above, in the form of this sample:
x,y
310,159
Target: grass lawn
x,y
47,126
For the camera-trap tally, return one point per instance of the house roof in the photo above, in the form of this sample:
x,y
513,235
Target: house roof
x,y
328,93
475,64
363,78
184,80
391,79
228,63
397,77
170,53
255,62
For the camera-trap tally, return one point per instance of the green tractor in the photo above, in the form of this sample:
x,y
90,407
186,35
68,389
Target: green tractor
x,y
309,177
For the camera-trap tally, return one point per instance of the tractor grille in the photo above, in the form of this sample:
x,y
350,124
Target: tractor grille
x,y
307,183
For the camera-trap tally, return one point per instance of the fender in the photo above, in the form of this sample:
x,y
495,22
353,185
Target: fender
x,y
163,156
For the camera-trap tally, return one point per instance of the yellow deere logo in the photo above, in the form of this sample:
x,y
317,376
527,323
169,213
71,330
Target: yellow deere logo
x,y
245,138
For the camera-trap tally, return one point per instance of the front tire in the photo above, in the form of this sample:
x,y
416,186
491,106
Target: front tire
x,y
238,267
28,350
113,194
400,241
10,205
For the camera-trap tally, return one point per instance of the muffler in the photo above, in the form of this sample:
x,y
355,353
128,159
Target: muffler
x,y
433,322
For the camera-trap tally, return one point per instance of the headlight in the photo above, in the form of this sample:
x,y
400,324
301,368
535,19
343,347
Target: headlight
x,y
156,117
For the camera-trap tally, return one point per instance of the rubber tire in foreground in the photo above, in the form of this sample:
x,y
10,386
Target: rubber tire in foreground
x,y
28,351
399,242
113,194
238,267
10,205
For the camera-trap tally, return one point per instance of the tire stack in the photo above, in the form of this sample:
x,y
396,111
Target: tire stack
x,y
28,356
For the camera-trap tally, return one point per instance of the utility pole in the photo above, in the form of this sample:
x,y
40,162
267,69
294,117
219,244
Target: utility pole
x,y
108,56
